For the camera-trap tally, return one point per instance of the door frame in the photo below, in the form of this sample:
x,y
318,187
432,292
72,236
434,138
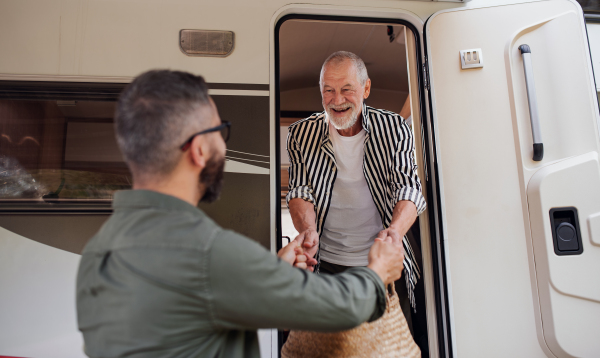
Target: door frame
x,y
439,327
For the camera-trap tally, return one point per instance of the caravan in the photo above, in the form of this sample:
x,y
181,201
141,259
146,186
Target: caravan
x,y
503,106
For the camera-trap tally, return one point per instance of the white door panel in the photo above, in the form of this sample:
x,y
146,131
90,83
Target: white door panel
x,y
593,223
568,274
583,315
484,157
569,289
565,93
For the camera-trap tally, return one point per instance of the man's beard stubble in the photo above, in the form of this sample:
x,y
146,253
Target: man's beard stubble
x,y
346,121
212,178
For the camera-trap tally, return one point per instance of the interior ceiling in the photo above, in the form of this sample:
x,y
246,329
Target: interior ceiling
x,y
304,45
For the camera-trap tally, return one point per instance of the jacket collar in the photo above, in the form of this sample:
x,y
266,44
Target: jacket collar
x,y
366,121
147,199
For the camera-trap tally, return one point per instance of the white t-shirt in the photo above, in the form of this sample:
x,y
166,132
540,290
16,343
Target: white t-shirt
x,y
353,222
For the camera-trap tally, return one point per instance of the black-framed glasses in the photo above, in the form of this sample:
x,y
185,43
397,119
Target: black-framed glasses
x,y
224,128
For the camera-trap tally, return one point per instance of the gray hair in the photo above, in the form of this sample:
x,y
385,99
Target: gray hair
x,y
155,115
339,57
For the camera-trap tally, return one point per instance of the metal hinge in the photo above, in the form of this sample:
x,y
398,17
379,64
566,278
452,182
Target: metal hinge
x,y
426,75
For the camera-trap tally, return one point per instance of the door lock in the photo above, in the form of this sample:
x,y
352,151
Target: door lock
x,y
565,231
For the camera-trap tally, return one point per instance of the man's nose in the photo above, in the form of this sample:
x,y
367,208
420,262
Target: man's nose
x,y
339,99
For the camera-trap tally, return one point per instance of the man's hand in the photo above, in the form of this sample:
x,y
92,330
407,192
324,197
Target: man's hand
x,y
386,258
295,256
391,232
309,240
303,261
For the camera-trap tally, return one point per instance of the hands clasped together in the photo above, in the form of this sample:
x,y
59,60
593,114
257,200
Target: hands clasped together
x,y
386,256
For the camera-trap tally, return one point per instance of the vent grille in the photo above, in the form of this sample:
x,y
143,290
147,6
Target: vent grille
x,y
206,42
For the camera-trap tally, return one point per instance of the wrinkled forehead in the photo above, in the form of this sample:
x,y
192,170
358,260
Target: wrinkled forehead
x,y
339,71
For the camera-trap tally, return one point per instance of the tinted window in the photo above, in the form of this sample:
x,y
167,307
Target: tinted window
x,y
590,6
57,145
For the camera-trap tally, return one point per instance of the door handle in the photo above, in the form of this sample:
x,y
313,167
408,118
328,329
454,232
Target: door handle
x,y
536,131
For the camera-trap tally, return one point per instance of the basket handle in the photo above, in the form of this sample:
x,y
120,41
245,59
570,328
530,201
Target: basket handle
x,y
391,288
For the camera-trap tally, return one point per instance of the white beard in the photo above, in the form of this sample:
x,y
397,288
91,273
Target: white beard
x,y
346,121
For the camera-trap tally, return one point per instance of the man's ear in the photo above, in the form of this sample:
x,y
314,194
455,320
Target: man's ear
x,y
367,89
197,153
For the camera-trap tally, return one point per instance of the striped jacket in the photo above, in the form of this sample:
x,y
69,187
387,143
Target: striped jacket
x,y
389,167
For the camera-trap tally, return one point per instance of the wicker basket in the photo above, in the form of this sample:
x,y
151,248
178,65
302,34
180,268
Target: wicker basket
x,y
387,337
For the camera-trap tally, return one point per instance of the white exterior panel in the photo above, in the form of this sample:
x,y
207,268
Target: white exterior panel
x,y
485,151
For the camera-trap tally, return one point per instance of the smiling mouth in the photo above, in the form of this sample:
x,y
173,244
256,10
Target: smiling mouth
x,y
341,110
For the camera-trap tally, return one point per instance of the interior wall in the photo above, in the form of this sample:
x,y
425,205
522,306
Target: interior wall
x,y
304,46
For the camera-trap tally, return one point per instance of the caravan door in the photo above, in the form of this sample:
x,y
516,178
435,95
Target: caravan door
x,y
515,131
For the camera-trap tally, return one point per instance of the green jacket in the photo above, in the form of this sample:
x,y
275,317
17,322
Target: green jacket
x,y
161,279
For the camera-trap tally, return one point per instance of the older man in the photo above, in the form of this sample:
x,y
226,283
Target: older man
x,y
161,279
353,175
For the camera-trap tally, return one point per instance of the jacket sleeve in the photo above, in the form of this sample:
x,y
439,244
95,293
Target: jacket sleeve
x,y
404,182
299,186
251,288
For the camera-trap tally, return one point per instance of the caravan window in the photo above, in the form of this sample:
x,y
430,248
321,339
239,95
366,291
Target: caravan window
x,y
57,145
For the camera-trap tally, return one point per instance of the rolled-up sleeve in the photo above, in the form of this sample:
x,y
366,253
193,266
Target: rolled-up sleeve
x,y
299,186
405,183
251,288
